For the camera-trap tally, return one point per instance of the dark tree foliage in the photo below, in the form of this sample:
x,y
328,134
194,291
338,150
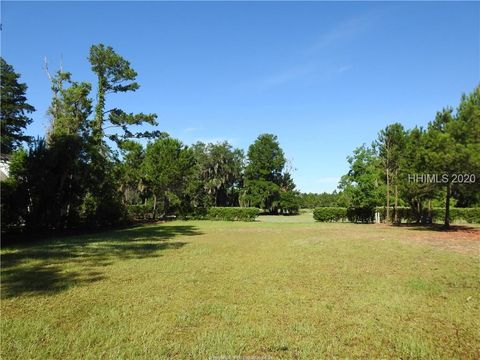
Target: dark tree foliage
x,y
114,75
14,109
266,184
448,147
167,167
313,200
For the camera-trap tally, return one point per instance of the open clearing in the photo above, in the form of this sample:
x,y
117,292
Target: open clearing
x,y
282,287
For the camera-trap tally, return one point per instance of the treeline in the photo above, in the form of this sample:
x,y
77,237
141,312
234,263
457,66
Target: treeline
x,y
325,199
89,170
420,168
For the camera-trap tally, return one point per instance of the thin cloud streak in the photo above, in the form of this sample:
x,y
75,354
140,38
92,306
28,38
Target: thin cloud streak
x,y
340,33
344,68
343,31
288,75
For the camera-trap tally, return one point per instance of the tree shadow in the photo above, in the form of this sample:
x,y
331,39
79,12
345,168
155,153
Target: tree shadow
x,y
45,267
440,228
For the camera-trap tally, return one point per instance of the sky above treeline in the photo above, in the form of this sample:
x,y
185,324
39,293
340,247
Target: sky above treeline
x,y
324,77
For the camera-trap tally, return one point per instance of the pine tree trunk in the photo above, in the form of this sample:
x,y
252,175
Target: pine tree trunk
x,y
396,199
447,206
154,207
387,219
165,205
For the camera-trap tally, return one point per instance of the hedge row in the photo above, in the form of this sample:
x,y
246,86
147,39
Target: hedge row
x,y
470,215
352,214
329,214
233,213
405,214
361,214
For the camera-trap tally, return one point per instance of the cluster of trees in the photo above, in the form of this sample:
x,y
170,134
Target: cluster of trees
x,y
90,167
420,167
169,177
325,199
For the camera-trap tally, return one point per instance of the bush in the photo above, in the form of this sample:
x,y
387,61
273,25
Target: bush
x,y
289,203
233,213
404,214
437,215
139,212
328,214
470,215
361,214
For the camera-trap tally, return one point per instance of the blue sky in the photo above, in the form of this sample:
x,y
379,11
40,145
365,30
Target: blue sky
x,y
325,77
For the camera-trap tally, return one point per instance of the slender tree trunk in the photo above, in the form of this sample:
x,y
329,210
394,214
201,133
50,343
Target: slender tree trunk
x,y
154,207
396,200
165,205
387,220
99,109
447,206
419,212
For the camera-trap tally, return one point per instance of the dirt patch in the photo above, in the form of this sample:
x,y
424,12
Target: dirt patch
x,y
463,239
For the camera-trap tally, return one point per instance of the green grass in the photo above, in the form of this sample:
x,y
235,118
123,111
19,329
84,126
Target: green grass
x,y
282,287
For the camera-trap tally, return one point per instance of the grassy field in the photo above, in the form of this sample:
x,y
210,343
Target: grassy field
x,y
282,287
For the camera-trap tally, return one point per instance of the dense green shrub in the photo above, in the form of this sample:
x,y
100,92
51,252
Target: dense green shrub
x,y
233,213
409,215
139,212
404,214
328,214
361,214
289,203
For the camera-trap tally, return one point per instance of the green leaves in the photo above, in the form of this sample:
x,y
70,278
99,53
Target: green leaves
x,y
114,74
265,179
14,109
112,69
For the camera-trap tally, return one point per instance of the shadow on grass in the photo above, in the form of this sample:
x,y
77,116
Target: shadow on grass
x,y
440,227
54,265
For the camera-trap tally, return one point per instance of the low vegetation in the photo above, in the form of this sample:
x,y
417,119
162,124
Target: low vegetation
x,y
284,287
233,213
329,214
401,214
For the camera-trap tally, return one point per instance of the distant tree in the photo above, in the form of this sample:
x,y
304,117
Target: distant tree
x,y
264,173
363,184
445,156
167,166
412,163
266,159
390,144
313,200
220,170
114,75
14,109
70,107
130,172
466,130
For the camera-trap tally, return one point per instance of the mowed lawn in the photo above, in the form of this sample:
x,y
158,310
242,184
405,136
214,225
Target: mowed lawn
x,y
283,288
